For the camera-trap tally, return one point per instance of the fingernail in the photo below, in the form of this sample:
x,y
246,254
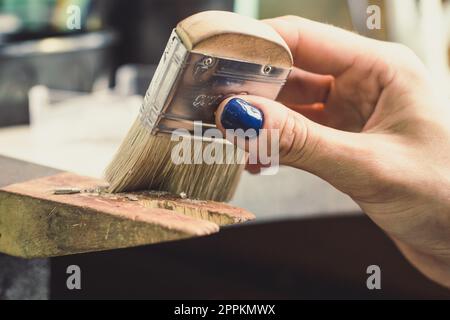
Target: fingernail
x,y
239,114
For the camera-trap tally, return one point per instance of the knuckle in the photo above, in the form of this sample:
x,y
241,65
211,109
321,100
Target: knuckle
x,y
290,17
401,50
405,59
293,139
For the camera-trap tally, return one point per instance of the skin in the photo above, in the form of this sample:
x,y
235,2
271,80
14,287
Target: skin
x,y
365,116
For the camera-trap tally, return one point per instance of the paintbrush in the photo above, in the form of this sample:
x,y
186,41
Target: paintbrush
x,y
209,56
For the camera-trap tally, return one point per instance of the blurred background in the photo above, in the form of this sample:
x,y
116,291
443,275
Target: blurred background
x,y
70,88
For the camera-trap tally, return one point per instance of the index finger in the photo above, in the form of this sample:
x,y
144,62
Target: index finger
x,y
321,48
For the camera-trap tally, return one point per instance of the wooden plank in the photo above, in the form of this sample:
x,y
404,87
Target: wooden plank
x,y
36,222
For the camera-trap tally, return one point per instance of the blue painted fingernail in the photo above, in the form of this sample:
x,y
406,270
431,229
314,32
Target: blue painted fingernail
x,y
239,114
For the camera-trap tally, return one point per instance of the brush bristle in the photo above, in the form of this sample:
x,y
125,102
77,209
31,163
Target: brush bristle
x,y
143,162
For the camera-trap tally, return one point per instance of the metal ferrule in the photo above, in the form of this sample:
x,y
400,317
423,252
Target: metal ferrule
x,y
188,87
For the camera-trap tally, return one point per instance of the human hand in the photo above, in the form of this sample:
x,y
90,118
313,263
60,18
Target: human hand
x,y
363,115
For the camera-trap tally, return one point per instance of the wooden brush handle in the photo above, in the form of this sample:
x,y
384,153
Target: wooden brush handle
x,y
229,35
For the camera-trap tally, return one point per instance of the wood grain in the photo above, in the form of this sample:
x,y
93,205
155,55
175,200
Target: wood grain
x,y
35,222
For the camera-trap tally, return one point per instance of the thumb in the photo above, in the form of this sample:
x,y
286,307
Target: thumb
x,y
333,155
